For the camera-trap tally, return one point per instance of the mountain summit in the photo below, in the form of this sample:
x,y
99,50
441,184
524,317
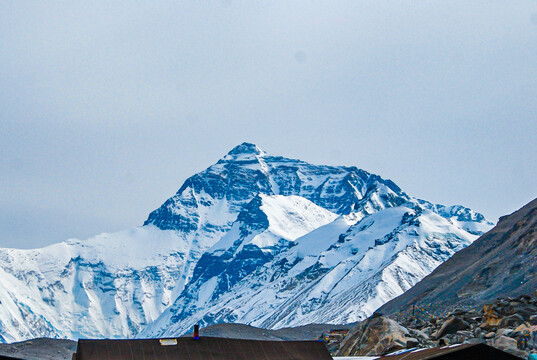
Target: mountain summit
x,y
247,170
245,149
255,238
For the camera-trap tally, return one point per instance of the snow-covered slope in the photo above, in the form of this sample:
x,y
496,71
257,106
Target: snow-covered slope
x,y
265,240
109,285
338,273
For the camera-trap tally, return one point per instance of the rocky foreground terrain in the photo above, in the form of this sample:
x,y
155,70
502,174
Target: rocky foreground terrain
x,y
40,349
509,324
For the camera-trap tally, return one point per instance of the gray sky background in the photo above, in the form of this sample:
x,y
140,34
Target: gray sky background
x,y
107,107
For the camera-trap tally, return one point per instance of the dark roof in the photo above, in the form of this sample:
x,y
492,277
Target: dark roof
x,y
204,348
464,351
3,357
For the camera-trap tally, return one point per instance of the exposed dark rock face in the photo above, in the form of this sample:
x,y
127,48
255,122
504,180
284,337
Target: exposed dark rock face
x,y
246,171
502,262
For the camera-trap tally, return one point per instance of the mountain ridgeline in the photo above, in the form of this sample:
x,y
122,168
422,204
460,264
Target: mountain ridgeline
x,y
247,171
256,239
501,263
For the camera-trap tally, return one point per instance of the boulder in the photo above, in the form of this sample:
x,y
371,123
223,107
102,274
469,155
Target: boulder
x,y
505,342
451,326
467,334
503,332
428,331
491,316
457,312
526,310
412,343
512,321
493,313
458,338
474,341
376,336
522,330
479,333
419,334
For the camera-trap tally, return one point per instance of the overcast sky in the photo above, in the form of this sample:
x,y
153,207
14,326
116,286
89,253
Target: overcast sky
x,y
107,107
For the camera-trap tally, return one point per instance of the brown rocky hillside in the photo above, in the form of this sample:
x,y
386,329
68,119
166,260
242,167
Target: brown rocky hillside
x,y
501,263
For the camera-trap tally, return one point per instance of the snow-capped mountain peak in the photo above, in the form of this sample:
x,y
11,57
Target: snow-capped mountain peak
x,y
255,238
242,152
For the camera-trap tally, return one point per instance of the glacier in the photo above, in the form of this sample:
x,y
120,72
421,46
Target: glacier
x,y
255,238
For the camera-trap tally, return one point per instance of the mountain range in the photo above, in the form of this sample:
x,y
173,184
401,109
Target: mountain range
x,y
256,239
